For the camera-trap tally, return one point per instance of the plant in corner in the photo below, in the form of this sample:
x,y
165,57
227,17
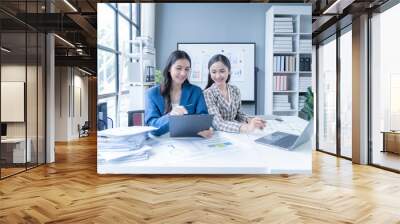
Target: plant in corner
x,y
307,112
158,76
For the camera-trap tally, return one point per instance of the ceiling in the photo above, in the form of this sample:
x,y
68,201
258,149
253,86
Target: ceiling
x,y
76,23
330,15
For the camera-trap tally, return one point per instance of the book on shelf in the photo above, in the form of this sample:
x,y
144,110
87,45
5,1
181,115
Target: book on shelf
x,y
305,45
280,83
304,83
287,106
305,64
302,102
283,18
281,98
284,63
149,74
283,44
283,25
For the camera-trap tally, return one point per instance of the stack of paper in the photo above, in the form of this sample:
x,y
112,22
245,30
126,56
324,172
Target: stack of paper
x,y
283,44
305,45
116,156
281,102
123,144
283,24
304,83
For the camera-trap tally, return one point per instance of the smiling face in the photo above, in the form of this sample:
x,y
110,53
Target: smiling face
x,y
179,71
219,73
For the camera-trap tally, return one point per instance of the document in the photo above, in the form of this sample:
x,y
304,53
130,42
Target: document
x,y
123,139
119,156
125,131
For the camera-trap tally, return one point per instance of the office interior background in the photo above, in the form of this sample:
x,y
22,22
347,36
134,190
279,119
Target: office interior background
x,y
221,23
54,57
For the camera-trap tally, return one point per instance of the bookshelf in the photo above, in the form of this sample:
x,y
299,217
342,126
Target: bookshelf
x,y
288,56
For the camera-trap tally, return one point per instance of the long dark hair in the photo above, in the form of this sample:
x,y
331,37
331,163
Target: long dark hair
x,y
214,59
167,79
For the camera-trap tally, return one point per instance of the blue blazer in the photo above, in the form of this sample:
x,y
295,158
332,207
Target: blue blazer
x,y
192,99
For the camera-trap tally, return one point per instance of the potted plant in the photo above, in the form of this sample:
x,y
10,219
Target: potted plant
x,y
158,76
307,112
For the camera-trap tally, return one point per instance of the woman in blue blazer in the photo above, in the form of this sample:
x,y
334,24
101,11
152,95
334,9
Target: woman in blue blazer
x,y
175,96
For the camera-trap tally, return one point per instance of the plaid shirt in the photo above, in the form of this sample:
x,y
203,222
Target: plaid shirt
x,y
227,115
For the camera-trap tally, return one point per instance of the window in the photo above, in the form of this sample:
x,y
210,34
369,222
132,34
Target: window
x,y
106,64
124,8
116,25
123,34
327,95
385,87
106,26
346,92
134,12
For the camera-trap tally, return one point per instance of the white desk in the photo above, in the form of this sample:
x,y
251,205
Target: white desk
x,y
18,150
191,156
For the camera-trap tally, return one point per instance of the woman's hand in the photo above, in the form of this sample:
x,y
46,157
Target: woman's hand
x,y
178,110
254,123
206,133
257,123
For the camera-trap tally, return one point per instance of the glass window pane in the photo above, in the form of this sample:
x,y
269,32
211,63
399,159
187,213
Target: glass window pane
x,y
106,72
105,25
346,93
134,12
134,32
123,34
41,99
123,110
124,8
13,82
32,100
327,96
108,111
385,85
123,71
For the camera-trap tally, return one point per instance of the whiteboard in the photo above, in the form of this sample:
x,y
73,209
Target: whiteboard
x,y
12,101
241,56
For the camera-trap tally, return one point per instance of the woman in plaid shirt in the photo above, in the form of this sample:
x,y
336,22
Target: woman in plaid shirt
x,y
223,100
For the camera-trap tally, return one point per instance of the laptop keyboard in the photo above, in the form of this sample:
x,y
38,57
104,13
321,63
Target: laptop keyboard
x,y
286,142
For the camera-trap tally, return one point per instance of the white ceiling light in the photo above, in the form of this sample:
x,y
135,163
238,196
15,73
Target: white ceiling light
x,y
84,71
338,6
5,50
70,5
65,41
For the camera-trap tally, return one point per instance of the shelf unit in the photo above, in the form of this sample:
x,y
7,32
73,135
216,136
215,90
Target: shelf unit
x,y
141,65
285,81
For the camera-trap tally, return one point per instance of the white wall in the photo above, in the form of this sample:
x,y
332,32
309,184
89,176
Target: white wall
x,y
14,73
33,126
71,87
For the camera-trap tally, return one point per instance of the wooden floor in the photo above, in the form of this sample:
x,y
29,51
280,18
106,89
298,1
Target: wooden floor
x,y
387,159
70,191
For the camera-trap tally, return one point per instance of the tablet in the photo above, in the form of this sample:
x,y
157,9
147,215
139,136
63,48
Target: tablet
x,y
189,125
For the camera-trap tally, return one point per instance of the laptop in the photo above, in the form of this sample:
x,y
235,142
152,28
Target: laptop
x,y
189,125
287,141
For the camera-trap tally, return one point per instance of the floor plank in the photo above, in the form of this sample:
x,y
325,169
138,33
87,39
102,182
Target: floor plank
x,y
70,191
